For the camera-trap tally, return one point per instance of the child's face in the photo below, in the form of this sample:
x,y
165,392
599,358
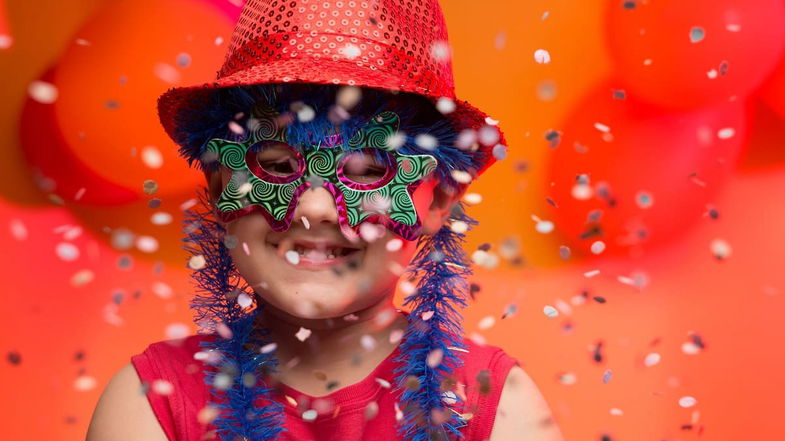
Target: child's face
x,y
295,271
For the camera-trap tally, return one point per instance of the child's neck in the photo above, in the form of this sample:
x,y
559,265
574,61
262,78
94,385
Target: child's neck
x,y
335,346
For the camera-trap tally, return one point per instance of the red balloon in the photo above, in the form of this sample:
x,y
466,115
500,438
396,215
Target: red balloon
x,y
55,166
684,54
773,90
110,77
627,173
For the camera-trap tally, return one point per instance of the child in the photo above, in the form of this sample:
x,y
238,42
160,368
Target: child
x,y
320,199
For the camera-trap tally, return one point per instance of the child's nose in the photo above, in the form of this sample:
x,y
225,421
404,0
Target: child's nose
x,y
317,205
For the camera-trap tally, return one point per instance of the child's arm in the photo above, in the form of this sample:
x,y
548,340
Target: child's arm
x,y
523,414
123,412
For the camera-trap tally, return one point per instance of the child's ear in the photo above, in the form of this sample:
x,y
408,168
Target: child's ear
x,y
444,199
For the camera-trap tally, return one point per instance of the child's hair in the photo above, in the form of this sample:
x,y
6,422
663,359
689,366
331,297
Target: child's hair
x,y
417,116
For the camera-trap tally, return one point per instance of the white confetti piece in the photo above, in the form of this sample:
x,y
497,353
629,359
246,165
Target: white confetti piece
x,y
161,218
218,40
196,262
459,227
568,378
449,397
350,51
690,348
222,381
407,287
726,133
461,176
426,141
306,223
597,247
550,311
85,382
176,330
602,127
367,342
427,315
473,198
6,41
292,257
486,322
440,51
393,245
582,191
42,92
434,358
720,248
733,27
266,349
151,157
499,152
147,244
371,232
544,227
384,383
67,252
162,387
396,335
162,290
244,300
687,401
542,56
310,415
615,411
488,135
207,414
371,410
396,140
306,113
591,273
651,359
167,73
303,334
445,105
18,229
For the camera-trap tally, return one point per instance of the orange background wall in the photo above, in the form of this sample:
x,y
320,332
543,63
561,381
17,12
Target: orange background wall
x,y
69,325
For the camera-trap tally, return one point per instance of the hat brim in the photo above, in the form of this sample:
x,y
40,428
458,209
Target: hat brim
x,y
319,71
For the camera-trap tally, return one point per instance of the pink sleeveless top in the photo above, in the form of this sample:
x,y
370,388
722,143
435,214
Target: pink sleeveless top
x,y
177,405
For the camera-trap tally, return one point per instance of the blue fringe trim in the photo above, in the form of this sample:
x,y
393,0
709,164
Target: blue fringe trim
x,y
238,416
441,265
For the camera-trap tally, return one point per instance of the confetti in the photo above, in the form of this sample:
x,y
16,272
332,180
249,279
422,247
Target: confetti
x,y
550,311
244,300
564,252
568,378
224,330
440,51
720,249
67,251
485,259
183,59
207,414
488,135
305,222
651,359
367,342
162,387
434,358
147,244
6,41
690,348
473,198
499,152
393,245
371,410
305,113
166,73
310,415
152,157
162,290
606,376
466,139
726,133
84,383
616,411
445,105
14,358
544,227
546,90
82,277
222,381
291,256
542,56
597,247
602,127
350,51
396,140
176,330
396,335
459,227
591,273
486,323
500,40
348,96
161,218
644,199
426,141
461,176
384,383
18,229
371,232
697,34
426,315
449,397
266,349
303,334
687,401
42,92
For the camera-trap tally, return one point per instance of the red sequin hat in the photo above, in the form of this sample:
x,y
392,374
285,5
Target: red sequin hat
x,y
398,45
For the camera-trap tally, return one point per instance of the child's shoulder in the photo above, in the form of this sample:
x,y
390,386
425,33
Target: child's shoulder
x,y
481,356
